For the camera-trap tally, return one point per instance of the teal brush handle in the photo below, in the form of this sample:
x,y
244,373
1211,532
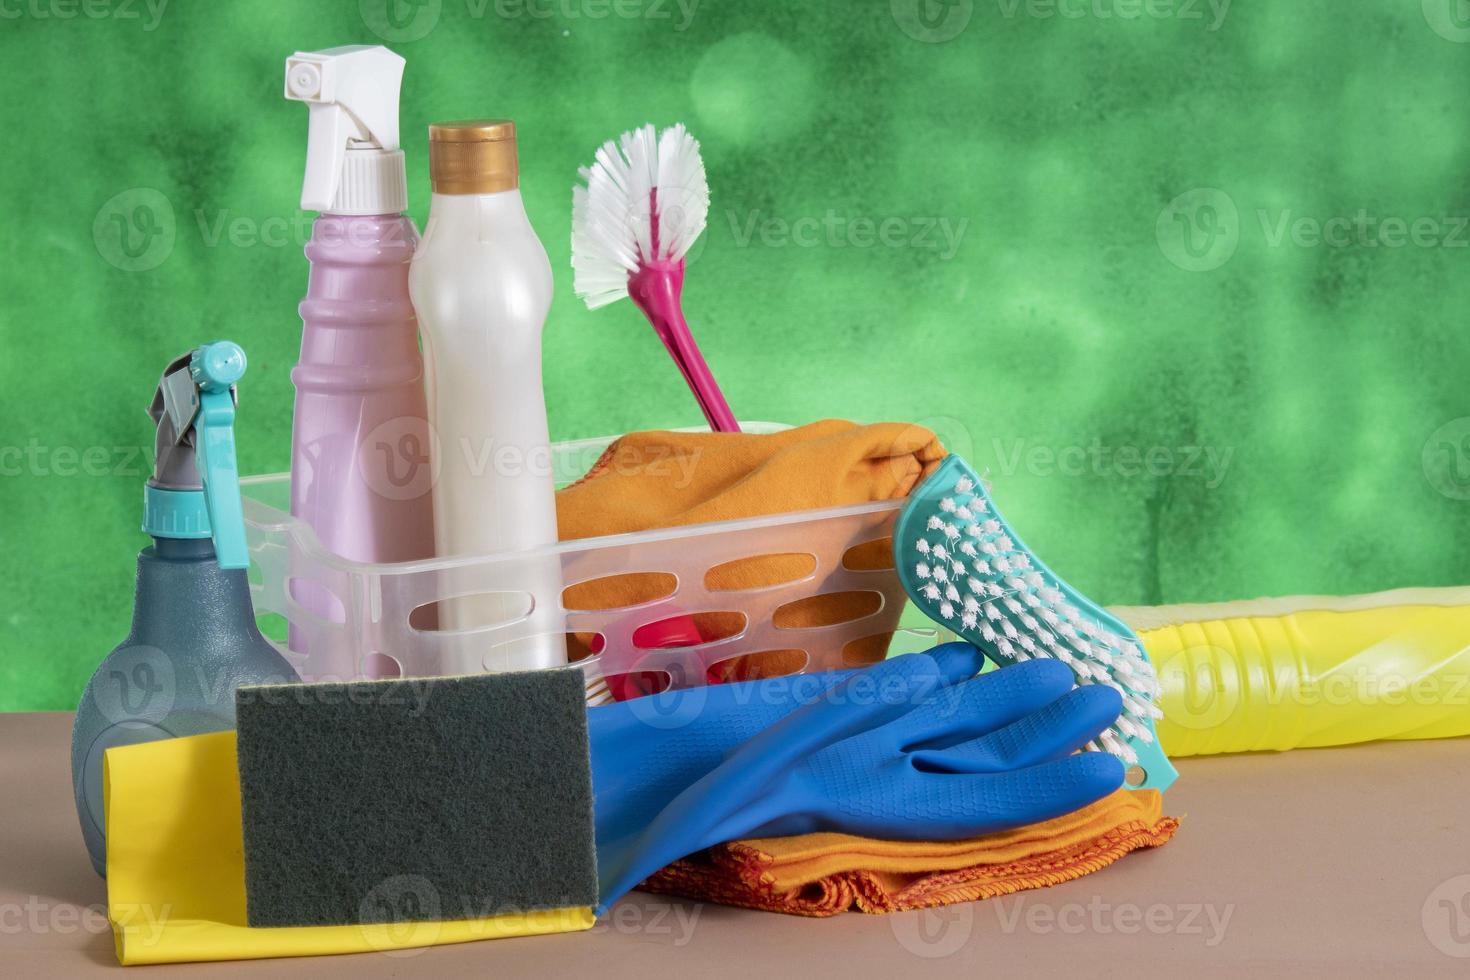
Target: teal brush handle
x,y
964,566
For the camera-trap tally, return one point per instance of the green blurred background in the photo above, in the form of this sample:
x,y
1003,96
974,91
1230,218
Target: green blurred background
x,y
1189,278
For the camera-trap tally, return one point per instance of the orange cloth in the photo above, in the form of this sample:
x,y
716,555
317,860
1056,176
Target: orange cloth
x,y
824,874
665,479
649,480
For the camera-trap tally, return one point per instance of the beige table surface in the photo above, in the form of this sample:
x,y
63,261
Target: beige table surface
x,y
1326,863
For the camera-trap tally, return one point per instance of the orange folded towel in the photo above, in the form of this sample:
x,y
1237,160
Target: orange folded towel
x,y
649,480
824,874
664,479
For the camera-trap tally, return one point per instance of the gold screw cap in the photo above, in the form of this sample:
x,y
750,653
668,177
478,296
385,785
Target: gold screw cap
x,y
473,156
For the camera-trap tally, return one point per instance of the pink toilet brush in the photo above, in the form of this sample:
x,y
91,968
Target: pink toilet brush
x,y
644,204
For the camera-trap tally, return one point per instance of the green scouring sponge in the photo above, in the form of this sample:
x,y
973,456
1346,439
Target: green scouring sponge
x,y
416,799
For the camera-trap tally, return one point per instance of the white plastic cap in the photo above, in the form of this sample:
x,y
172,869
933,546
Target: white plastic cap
x,y
353,163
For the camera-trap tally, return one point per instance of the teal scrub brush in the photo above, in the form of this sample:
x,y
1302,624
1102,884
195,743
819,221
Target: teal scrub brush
x,y
961,563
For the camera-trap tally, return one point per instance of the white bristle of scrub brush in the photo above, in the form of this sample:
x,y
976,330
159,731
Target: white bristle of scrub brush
x,y
1116,746
613,209
1015,610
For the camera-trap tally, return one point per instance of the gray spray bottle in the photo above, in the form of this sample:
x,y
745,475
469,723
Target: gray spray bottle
x,y
194,638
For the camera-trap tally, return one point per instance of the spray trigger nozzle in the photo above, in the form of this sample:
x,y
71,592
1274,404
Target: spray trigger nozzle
x,y
352,94
194,410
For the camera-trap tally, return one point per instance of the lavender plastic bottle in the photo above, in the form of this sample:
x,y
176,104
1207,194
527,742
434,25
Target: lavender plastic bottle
x,y
359,439
360,463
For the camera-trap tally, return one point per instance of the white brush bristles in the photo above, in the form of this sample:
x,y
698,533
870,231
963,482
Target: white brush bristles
x,y
1007,605
613,227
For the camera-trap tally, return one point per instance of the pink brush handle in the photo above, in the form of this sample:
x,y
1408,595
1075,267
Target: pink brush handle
x,y
656,289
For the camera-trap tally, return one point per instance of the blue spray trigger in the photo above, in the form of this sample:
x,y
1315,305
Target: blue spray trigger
x,y
214,368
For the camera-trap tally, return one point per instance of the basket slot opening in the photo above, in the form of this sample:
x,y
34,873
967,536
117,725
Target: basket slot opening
x,y
866,650
827,609
622,591
689,630
480,610
381,666
754,666
317,599
760,572
870,556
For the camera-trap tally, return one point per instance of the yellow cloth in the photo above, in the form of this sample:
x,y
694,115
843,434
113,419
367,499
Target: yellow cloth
x,y
824,874
176,869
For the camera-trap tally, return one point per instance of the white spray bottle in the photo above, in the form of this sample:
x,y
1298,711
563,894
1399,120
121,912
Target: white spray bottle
x,y
481,284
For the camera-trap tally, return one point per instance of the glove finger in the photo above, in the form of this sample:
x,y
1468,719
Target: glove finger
x,y
959,807
962,712
1053,732
958,661
1055,788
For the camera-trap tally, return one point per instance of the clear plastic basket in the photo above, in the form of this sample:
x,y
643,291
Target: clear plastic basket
x,y
373,629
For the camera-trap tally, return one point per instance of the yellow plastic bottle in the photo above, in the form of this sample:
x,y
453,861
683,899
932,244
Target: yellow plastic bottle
x,y
1276,674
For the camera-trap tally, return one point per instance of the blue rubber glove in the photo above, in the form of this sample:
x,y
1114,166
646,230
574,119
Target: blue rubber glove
x,y
893,752
648,750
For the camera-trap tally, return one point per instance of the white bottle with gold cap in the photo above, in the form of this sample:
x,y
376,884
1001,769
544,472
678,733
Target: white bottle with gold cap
x,y
481,285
